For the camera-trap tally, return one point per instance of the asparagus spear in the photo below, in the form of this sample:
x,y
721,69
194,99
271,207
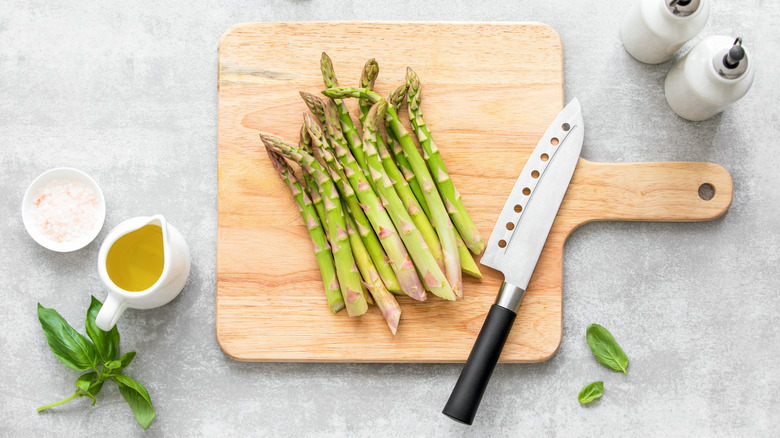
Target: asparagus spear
x,y
321,247
452,200
441,219
347,125
432,275
467,263
346,270
367,80
315,105
304,143
386,302
409,201
336,136
396,98
412,206
369,203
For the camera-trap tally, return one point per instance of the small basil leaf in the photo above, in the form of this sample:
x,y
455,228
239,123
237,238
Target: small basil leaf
x,y
70,346
591,392
106,343
121,363
86,394
85,380
137,397
126,359
606,348
95,387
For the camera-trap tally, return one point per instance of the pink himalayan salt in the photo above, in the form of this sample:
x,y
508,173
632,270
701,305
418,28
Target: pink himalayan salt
x,y
65,210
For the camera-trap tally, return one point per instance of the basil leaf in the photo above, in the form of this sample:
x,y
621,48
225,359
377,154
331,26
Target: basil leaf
x,y
85,380
606,348
591,392
95,387
126,359
106,343
121,363
137,397
70,346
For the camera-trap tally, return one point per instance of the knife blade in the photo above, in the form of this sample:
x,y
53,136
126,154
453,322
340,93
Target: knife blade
x,y
514,249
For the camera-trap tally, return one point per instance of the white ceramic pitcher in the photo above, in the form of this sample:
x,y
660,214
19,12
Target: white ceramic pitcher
x,y
176,269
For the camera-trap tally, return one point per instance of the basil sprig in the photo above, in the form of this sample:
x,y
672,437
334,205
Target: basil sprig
x,y
591,392
606,348
99,354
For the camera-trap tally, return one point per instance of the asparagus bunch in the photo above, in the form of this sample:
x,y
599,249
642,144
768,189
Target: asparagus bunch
x,y
363,226
439,215
380,221
380,215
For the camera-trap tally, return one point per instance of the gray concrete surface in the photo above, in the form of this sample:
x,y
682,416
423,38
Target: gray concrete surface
x,y
127,92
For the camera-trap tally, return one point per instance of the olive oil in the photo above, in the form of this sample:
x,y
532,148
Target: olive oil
x,y
135,261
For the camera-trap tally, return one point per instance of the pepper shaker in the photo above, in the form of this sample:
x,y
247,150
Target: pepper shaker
x,y
653,30
716,72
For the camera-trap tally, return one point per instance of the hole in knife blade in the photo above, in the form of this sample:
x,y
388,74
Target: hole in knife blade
x,y
518,208
510,226
565,127
554,141
545,157
502,243
535,174
526,191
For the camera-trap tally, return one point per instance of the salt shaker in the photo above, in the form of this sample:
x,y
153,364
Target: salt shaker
x,y
716,72
653,30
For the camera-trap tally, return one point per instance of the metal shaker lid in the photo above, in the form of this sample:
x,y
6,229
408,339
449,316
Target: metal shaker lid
x,y
682,8
731,62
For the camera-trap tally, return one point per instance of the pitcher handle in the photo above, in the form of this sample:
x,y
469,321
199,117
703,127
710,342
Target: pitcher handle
x,y
110,312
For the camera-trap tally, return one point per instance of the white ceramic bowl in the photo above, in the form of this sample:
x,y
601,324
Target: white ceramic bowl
x,y
28,211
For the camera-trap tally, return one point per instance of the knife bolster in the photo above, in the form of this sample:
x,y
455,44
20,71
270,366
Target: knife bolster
x,y
510,296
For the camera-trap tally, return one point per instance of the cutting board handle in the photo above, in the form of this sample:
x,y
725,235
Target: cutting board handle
x,y
660,191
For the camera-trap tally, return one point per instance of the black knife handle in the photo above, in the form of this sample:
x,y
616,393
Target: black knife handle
x,y
464,400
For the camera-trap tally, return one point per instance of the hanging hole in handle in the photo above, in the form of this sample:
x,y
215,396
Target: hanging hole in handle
x,y
565,127
706,191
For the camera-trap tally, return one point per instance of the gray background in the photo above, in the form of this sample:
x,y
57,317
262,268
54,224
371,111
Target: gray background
x,y
127,92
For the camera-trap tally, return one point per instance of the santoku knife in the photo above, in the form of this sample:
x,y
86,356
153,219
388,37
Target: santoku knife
x,y
514,248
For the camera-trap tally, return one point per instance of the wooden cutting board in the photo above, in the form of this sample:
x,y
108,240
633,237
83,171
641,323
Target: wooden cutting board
x,y
490,91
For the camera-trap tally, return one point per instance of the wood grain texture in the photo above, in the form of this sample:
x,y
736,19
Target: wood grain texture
x,y
487,103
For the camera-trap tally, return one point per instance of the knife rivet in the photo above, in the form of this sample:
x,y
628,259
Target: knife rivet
x,y
510,226
535,174
565,127
502,243
526,191
518,208
554,141
545,157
